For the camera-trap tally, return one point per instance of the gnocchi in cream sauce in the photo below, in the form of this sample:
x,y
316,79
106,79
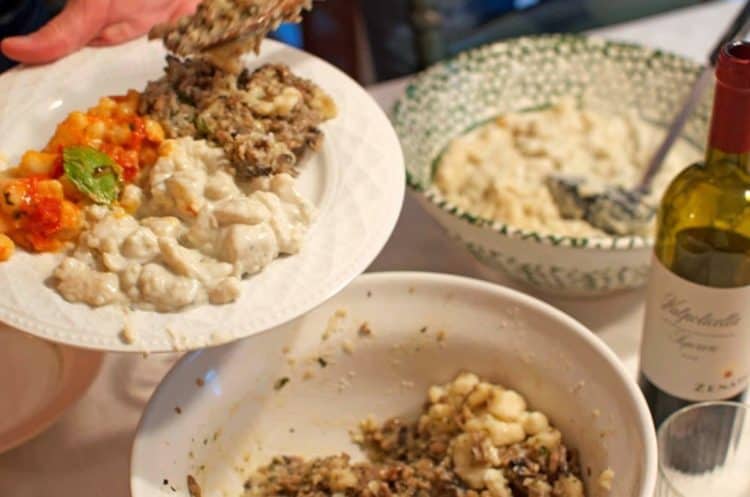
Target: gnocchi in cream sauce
x,y
187,235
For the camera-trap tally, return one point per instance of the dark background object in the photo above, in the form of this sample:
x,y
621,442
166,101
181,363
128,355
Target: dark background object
x,y
21,17
549,16
406,36
330,30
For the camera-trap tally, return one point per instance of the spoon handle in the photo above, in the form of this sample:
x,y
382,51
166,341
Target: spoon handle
x,y
704,80
738,29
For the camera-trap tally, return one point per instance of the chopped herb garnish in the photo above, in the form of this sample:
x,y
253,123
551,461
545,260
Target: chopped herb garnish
x,y
280,383
202,126
323,363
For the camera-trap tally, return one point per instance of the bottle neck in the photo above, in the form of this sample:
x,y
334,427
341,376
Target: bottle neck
x,y
729,135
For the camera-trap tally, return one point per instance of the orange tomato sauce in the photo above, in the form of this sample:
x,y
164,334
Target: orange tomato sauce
x,y
40,209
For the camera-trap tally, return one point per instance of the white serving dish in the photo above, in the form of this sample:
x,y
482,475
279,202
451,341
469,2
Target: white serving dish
x,y
237,420
356,182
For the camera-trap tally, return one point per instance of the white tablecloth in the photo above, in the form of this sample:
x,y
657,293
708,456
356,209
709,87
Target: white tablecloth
x,y
86,453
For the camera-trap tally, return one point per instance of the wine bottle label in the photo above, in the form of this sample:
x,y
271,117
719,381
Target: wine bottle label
x,y
696,339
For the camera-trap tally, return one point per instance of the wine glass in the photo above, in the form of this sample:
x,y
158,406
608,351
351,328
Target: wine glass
x,y
704,450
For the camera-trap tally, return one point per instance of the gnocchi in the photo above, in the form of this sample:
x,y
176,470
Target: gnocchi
x,y
473,439
498,170
177,241
6,247
40,208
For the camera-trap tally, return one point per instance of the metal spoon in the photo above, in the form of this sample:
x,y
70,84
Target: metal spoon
x,y
620,211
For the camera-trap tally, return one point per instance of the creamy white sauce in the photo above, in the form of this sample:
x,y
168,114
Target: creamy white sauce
x,y
197,232
498,170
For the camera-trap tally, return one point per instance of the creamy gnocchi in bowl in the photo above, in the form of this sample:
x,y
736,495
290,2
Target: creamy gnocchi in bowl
x,y
488,187
194,231
498,170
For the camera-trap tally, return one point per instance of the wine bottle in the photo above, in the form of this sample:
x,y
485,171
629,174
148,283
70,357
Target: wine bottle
x,y
696,336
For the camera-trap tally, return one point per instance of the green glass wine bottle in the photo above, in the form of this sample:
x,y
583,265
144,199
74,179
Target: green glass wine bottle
x,y
696,337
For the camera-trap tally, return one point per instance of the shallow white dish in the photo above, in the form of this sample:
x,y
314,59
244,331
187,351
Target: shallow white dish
x,y
39,380
356,181
231,418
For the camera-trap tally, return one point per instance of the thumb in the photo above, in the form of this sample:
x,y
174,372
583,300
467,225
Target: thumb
x,y
72,29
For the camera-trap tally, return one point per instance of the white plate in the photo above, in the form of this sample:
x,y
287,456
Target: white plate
x,y
237,420
39,380
356,180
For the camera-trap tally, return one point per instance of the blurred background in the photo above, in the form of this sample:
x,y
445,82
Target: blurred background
x,y
376,40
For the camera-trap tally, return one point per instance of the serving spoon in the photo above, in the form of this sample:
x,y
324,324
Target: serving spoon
x,y
617,210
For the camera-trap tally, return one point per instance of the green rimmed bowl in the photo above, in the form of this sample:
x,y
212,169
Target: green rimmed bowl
x,y
454,96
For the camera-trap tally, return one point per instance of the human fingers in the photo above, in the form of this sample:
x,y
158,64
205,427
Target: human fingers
x,y
72,29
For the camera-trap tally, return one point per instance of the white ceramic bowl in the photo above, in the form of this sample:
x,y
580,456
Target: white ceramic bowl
x,y
218,414
527,73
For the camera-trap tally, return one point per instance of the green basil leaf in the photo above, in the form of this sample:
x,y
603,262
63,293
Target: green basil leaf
x,y
93,173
